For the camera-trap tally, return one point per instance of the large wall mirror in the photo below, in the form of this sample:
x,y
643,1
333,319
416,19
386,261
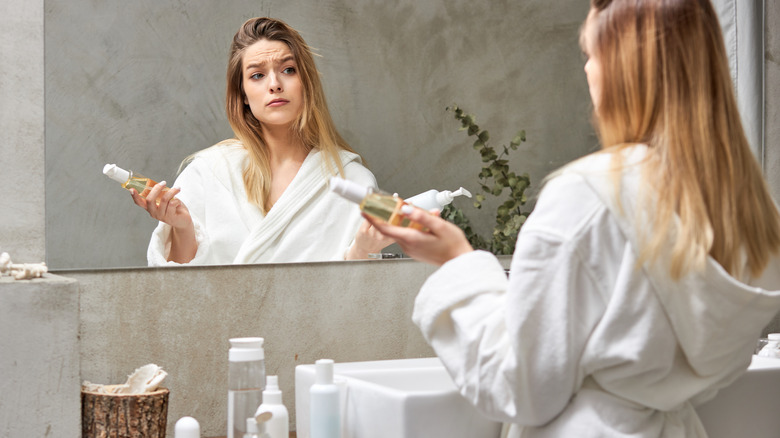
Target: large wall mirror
x,y
141,84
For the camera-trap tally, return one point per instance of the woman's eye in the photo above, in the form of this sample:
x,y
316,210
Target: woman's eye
x,y
289,70
256,76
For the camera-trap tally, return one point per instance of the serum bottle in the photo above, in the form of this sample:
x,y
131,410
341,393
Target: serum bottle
x,y
374,202
130,180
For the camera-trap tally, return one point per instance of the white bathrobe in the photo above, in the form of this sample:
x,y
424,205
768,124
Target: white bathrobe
x,y
308,223
579,342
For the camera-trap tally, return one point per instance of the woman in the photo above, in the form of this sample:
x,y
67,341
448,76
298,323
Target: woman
x,y
647,271
263,197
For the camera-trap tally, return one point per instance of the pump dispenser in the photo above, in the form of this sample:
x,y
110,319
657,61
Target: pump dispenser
x,y
130,180
325,408
434,199
278,426
374,202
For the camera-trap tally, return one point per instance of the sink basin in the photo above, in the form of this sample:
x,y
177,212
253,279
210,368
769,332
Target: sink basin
x,y
407,398
411,398
747,408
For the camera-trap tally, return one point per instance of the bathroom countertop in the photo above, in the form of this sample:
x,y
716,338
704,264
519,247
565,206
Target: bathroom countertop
x,y
292,435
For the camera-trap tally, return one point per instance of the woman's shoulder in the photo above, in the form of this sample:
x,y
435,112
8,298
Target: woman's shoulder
x,y
228,153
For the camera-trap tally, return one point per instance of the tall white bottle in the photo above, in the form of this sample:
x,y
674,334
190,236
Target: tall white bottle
x,y
325,408
246,380
278,426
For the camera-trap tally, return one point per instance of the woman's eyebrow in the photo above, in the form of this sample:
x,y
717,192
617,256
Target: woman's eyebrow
x,y
257,64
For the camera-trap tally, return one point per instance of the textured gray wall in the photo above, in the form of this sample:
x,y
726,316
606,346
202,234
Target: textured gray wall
x,y
21,124
772,96
141,84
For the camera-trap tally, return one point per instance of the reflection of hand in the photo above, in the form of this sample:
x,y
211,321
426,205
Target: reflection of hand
x,y
164,207
367,241
441,242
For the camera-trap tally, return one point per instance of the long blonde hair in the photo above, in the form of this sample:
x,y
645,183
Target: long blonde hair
x,y
314,126
665,82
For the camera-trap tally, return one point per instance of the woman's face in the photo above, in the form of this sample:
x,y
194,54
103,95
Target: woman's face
x,y
592,65
271,83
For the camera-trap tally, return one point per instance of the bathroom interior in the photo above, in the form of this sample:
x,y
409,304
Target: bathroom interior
x,y
141,84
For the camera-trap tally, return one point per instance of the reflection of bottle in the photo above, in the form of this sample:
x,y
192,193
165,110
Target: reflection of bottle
x,y
324,405
130,180
374,202
436,199
772,347
246,380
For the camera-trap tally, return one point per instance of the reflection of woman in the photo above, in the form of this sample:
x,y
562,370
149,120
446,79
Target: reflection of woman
x,y
647,271
263,197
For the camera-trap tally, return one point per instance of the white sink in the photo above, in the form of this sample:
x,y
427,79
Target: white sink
x,y
405,398
749,407
411,398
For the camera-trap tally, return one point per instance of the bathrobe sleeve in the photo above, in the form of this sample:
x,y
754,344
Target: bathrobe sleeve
x,y
494,335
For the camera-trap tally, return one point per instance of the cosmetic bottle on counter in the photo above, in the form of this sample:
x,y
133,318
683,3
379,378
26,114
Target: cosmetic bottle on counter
x,y
374,202
434,199
246,380
278,426
187,427
325,407
130,180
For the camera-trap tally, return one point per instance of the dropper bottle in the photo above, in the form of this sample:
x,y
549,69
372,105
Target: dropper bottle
x,y
130,180
374,202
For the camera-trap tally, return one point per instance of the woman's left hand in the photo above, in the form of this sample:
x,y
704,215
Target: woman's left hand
x,y
367,241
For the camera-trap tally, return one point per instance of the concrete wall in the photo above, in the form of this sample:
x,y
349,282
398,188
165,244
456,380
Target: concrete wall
x,y
181,319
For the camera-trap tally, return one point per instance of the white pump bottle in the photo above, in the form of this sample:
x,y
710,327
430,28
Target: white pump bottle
x,y
278,426
434,199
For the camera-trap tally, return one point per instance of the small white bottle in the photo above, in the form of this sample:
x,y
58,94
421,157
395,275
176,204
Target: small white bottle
x,y
278,426
434,199
772,347
187,427
325,408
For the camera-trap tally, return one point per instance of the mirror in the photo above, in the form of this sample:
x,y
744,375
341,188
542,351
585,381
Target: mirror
x,y
141,84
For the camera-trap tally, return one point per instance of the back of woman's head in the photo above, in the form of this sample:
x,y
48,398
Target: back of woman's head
x,y
665,82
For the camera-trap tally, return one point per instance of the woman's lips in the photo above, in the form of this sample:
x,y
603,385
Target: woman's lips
x,y
278,102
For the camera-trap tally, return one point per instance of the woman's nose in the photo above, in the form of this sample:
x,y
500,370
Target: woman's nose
x,y
275,84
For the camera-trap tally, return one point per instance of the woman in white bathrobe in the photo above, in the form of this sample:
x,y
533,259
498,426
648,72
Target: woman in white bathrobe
x,y
647,271
263,196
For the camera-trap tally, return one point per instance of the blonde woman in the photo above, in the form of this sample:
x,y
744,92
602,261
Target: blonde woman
x,y
263,196
647,271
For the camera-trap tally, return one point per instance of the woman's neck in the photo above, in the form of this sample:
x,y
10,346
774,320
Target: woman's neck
x,y
283,145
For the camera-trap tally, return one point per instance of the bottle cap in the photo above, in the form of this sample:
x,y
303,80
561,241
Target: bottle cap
x,y
246,350
116,173
272,394
348,189
187,427
251,426
323,371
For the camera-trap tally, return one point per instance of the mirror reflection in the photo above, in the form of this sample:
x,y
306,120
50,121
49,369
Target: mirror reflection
x,y
143,86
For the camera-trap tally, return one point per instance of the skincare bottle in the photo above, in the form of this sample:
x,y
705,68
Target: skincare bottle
x,y
246,380
374,202
187,427
130,180
324,405
278,426
770,347
435,199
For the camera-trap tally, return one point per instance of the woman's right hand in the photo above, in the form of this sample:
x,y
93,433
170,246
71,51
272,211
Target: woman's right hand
x,y
443,241
165,207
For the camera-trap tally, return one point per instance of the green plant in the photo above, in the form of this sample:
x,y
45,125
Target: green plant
x,y
494,178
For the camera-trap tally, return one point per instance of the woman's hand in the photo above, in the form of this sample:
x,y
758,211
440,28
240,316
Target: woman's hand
x,y
165,207
367,241
442,242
